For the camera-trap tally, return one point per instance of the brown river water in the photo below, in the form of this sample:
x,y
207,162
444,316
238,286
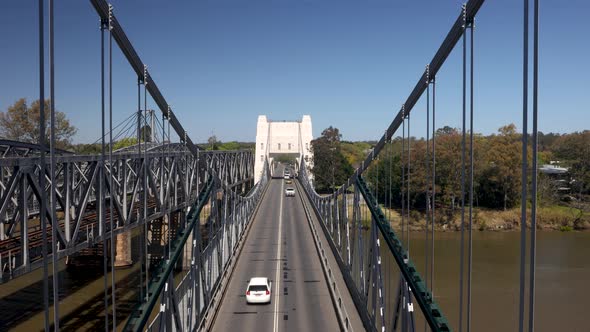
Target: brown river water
x,y
562,289
562,279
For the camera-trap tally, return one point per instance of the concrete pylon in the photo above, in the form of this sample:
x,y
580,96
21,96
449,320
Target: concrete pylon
x,y
123,255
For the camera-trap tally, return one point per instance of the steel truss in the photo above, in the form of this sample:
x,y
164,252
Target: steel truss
x,y
9,148
226,216
173,180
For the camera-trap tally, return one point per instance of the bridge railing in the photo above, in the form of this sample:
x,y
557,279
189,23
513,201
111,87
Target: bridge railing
x,y
376,268
214,226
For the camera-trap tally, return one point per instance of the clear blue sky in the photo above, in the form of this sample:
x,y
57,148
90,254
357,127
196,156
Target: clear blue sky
x,y
349,64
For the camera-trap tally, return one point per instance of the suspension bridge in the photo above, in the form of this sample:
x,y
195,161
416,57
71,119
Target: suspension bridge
x,y
196,225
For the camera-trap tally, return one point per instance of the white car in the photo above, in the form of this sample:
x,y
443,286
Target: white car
x,y
258,290
287,176
290,192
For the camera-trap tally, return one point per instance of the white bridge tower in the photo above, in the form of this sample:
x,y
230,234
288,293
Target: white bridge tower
x,y
274,138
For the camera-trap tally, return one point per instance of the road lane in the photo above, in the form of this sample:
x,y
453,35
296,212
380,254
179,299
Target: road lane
x,y
300,295
277,280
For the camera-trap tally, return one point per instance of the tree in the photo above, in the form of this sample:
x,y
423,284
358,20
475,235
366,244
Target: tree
x,y
446,130
574,150
501,176
124,142
213,143
355,152
449,166
94,148
21,123
229,146
545,141
384,176
330,166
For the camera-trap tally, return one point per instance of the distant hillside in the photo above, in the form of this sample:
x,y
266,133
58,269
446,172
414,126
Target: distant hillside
x,y
233,145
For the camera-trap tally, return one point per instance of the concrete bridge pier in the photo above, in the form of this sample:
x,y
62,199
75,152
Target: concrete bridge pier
x,y
123,250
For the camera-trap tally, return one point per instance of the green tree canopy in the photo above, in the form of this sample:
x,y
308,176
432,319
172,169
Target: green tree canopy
x,y
21,123
574,150
330,166
213,143
124,142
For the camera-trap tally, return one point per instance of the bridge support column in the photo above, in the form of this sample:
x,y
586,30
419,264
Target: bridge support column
x,y
123,256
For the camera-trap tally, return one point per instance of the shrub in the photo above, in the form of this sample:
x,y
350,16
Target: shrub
x,y
566,228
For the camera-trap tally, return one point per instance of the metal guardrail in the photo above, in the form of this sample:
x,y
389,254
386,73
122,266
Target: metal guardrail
x,y
210,314
343,317
163,274
367,284
432,312
191,304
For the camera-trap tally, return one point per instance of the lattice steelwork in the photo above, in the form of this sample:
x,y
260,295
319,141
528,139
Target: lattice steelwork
x,y
173,179
16,149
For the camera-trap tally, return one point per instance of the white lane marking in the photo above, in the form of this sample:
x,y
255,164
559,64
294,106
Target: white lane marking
x,y
277,275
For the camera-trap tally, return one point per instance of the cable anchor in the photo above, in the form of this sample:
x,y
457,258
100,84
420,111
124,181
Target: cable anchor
x,y
464,11
110,17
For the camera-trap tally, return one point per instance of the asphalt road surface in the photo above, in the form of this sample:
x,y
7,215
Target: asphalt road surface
x,y
279,246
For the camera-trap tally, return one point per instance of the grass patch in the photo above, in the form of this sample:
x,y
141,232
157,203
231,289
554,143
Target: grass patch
x,y
566,228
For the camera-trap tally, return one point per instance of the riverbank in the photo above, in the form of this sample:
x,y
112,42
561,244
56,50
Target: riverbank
x,y
557,217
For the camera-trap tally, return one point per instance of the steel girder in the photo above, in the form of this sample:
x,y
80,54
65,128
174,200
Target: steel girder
x,y
9,148
172,182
